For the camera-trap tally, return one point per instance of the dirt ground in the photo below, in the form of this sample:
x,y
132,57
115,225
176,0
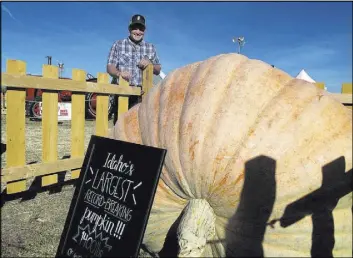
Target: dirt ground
x,y
32,227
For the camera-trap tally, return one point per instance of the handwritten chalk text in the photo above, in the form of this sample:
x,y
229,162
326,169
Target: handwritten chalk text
x,y
113,185
119,165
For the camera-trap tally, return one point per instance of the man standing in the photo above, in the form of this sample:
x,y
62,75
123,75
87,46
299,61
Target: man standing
x,y
130,56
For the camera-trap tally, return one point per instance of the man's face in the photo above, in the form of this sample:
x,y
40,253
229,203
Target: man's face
x,y
137,32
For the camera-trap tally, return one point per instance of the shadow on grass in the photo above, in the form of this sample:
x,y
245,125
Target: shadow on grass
x,y
36,187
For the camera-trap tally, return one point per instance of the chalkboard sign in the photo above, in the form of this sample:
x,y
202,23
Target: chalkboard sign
x,y
112,200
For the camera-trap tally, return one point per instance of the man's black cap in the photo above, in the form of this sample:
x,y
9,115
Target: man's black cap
x,y
137,19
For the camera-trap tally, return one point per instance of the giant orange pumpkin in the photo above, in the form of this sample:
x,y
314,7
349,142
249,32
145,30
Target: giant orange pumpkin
x,y
258,163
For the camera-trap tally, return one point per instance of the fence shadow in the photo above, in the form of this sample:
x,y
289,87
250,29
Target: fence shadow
x,y
36,187
3,148
248,224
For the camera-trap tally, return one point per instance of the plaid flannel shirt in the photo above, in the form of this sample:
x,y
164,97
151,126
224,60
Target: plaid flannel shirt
x,y
126,55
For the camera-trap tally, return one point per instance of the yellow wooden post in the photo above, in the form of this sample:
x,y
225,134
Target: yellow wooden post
x,y
50,124
102,108
77,121
320,85
147,80
15,126
123,102
346,88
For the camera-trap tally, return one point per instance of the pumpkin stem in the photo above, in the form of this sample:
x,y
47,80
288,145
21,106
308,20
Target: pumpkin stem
x,y
197,225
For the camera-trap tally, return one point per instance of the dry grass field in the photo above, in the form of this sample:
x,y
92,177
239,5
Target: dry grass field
x,y
32,227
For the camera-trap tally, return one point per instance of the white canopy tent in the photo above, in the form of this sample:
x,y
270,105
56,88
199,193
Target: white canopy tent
x,y
303,75
162,75
158,78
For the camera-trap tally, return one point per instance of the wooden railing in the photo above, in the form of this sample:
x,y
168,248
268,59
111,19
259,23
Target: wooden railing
x,y
345,97
15,79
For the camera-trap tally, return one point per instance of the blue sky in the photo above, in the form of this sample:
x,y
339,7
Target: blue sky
x,y
316,36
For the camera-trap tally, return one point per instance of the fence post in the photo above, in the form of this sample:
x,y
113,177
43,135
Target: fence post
x,y
77,121
123,102
346,88
320,85
102,108
50,124
147,80
15,125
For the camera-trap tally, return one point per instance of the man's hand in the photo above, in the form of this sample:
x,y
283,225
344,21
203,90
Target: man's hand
x,y
144,63
126,75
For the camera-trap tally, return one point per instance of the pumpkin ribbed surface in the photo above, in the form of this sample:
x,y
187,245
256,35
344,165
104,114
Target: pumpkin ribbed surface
x,y
269,153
